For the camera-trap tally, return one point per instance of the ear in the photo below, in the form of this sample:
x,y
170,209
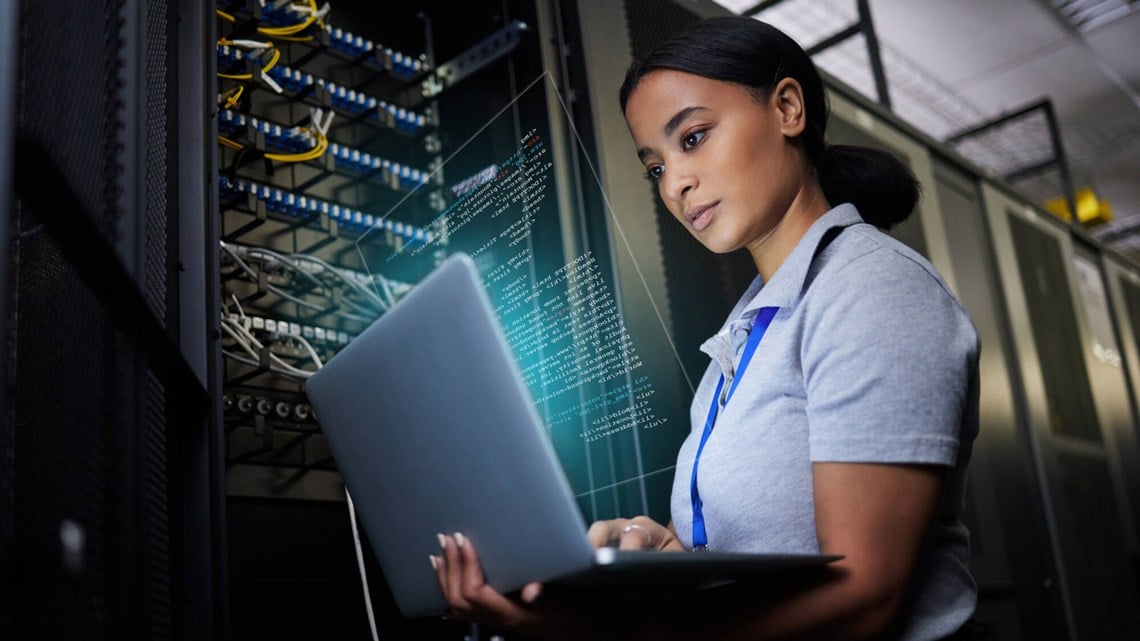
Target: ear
x,y
788,100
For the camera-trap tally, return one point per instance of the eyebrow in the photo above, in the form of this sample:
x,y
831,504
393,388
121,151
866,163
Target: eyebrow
x,y
671,126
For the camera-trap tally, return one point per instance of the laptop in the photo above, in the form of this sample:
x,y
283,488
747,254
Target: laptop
x,y
434,430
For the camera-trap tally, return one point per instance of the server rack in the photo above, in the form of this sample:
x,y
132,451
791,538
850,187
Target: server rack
x,y
300,212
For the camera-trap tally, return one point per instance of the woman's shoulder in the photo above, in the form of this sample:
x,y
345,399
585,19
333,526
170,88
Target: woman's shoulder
x,y
869,283
863,260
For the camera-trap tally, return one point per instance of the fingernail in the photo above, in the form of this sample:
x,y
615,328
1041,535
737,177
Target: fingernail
x,y
459,540
434,562
442,541
530,593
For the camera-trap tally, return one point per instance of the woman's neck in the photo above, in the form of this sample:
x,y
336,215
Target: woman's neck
x,y
770,251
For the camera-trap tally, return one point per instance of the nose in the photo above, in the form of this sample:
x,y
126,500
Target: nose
x,y
678,181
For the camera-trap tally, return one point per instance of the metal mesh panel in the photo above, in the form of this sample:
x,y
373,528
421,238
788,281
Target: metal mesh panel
x,y
155,514
157,132
73,112
61,416
1095,555
652,22
88,424
61,412
1055,333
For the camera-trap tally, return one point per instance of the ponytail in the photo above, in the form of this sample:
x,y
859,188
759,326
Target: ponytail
x,y
880,186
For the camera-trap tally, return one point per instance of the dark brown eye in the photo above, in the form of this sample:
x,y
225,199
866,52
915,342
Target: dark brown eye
x,y
655,172
692,139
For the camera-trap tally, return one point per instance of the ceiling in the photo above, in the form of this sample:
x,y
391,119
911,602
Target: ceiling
x,y
953,65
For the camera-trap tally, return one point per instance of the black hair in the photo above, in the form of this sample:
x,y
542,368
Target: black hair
x,y
757,55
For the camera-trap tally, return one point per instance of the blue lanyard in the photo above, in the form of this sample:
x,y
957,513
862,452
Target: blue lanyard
x,y
759,326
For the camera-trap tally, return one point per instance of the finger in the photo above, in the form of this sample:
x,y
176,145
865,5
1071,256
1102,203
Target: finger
x,y
481,597
453,574
601,533
472,579
635,537
437,567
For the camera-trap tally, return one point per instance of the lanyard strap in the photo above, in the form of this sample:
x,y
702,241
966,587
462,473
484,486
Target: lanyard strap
x,y
759,327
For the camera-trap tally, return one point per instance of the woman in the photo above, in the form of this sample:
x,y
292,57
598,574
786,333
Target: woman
x,y
842,387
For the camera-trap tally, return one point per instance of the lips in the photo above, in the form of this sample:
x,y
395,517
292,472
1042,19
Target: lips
x,y
700,216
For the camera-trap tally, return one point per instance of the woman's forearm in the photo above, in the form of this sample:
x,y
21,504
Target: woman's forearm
x,y
839,606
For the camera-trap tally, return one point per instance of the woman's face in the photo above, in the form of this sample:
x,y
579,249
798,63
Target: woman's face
x,y
723,160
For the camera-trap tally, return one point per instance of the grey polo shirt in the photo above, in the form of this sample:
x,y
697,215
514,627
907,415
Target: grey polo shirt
x,y
870,359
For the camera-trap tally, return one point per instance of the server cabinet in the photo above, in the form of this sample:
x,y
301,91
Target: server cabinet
x,y
106,478
1066,424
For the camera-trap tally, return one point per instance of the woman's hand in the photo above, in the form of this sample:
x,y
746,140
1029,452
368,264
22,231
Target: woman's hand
x,y
638,533
468,595
470,598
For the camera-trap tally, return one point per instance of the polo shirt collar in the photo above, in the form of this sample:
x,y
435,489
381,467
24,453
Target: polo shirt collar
x,y
788,282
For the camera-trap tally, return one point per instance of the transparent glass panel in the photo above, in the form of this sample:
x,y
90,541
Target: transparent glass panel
x,y
594,381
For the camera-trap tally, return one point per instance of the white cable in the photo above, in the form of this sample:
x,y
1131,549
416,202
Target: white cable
x,y
255,251
271,82
248,341
240,341
236,251
251,44
339,274
360,564
312,352
387,288
241,311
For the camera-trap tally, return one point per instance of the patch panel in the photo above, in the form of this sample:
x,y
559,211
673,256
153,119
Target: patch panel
x,y
300,206
344,99
274,326
299,139
352,46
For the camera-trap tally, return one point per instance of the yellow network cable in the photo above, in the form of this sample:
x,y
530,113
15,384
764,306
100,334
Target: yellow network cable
x,y
316,152
281,32
294,38
232,144
273,58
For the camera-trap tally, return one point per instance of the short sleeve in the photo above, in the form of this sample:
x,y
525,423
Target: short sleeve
x,y
887,357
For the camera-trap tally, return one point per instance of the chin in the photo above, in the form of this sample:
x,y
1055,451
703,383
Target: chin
x,y
716,245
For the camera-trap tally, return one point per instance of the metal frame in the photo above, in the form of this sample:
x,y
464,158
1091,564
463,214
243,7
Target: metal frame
x,y
195,198
1059,159
865,26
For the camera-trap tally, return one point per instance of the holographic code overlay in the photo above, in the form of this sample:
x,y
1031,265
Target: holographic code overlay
x,y
560,312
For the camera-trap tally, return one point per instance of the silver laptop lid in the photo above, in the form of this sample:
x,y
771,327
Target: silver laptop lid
x,y
433,430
